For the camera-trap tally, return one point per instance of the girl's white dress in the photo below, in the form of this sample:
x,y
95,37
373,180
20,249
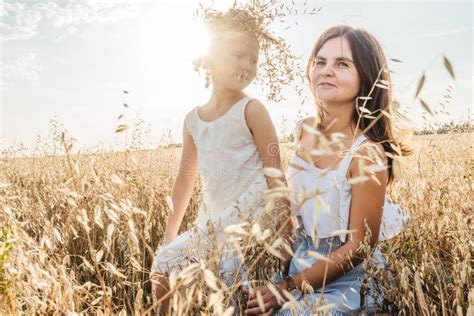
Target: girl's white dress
x,y
232,183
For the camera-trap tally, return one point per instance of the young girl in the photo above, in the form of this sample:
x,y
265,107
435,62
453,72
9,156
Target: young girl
x,y
340,200
230,138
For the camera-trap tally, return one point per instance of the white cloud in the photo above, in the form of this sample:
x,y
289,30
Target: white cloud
x,y
21,23
23,68
22,20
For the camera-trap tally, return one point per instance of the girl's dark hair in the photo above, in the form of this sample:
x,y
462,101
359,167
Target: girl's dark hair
x,y
371,65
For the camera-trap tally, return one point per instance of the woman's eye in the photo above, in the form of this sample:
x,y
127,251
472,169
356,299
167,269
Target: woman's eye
x,y
343,64
320,63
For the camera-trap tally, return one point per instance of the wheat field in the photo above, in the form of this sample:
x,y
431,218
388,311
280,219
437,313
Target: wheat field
x,y
78,233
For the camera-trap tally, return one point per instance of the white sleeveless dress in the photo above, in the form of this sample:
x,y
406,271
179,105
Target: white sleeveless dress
x,y
335,198
232,183
323,228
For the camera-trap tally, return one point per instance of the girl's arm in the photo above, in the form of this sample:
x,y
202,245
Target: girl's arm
x,y
265,137
183,186
266,140
366,209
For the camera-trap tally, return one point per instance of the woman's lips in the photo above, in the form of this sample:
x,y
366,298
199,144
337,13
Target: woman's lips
x,y
326,85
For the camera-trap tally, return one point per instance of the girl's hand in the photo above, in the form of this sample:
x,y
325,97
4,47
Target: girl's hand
x,y
270,301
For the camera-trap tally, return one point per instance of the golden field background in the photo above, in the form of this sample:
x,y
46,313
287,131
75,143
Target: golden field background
x,y
78,232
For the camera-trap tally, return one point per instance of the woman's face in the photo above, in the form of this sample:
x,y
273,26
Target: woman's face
x,y
234,61
334,77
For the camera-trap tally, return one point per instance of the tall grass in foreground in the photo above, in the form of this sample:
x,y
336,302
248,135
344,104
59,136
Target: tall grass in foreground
x,y
78,233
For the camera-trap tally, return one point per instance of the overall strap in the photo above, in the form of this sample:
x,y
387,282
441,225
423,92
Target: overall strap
x,y
298,129
346,161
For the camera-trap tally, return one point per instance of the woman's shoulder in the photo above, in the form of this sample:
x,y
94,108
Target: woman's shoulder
x,y
369,147
309,122
368,153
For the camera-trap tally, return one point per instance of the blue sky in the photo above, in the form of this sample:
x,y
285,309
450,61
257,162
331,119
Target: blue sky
x,y
72,60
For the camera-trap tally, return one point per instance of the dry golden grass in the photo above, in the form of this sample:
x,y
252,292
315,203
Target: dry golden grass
x,y
79,233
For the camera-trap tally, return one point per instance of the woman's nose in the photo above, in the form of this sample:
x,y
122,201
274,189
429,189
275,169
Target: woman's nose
x,y
327,70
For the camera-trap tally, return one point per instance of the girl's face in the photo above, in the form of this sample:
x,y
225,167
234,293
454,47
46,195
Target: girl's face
x,y
334,77
234,61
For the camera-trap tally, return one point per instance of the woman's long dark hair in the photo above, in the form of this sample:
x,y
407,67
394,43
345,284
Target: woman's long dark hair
x,y
371,65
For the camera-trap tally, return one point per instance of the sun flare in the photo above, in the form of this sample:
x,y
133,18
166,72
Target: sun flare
x,y
170,36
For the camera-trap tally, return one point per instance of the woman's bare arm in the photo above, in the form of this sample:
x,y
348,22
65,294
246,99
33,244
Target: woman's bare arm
x,y
366,209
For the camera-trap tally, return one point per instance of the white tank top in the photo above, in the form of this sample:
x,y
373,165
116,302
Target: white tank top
x,y
326,213
228,158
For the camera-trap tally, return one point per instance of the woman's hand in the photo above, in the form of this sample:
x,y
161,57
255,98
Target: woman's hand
x,y
270,301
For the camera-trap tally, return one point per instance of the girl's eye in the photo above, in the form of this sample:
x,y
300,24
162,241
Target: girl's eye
x,y
343,64
320,63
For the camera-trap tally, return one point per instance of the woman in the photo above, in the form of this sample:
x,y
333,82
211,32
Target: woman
x,y
338,176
